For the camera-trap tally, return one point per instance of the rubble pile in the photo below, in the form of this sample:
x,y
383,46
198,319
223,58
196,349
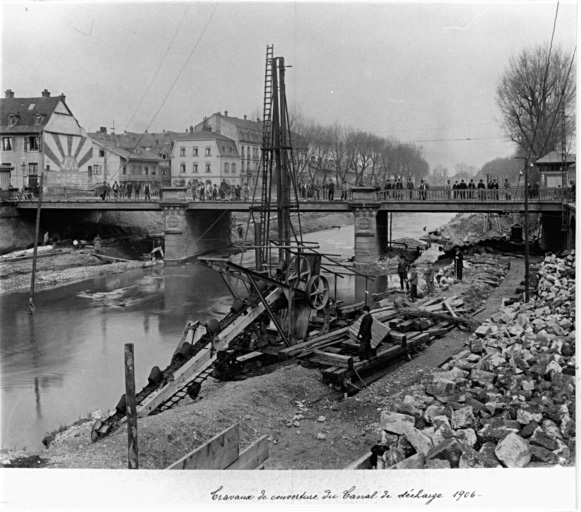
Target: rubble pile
x,y
507,400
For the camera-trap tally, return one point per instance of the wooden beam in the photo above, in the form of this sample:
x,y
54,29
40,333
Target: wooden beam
x,y
218,453
363,462
254,456
321,357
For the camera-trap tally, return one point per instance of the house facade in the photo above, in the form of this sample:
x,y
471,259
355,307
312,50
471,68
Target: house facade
x,y
204,157
41,133
551,169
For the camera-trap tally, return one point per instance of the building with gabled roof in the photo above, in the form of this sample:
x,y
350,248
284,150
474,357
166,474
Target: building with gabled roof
x,y
204,157
247,135
41,133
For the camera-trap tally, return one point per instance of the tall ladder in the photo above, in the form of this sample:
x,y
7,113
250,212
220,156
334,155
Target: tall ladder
x,y
266,147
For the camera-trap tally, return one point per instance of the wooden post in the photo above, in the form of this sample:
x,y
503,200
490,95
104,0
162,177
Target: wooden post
x,y
31,306
132,451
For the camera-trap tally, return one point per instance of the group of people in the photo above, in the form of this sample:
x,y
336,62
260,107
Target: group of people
x,y
315,191
209,191
471,190
409,279
125,190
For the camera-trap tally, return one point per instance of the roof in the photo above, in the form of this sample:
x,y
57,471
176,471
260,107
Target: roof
x,y
554,158
129,140
222,141
251,131
135,154
27,110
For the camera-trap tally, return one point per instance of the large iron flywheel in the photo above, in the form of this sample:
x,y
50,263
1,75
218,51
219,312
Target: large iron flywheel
x,y
317,292
298,272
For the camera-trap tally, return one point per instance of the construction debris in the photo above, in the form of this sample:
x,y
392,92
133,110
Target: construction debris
x,y
507,400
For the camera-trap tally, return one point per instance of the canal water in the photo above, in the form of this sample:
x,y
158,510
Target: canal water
x,y
67,360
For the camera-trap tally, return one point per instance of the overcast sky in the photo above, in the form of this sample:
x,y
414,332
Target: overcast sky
x,y
419,72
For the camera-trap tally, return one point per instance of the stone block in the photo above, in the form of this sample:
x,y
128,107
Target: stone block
x,y
396,423
408,409
414,462
527,430
482,377
404,445
487,451
432,411
463,418
524,417
540,454
450,450
388,439
493,433
421,442
470,458
562,452
467,436
551,429
513,451
437,464
438,421
539,438
567,426
483,331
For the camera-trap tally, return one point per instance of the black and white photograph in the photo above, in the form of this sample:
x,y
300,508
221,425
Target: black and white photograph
x,y
296,255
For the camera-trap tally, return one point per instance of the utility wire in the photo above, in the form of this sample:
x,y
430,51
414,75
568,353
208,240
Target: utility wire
x,y
159,67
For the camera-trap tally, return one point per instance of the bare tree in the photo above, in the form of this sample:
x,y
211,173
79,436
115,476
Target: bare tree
x,y
536,88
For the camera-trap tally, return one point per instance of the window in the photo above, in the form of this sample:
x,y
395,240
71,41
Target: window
x,y
208,152
146,170
208,168
32,143
96,169
33,168
164,156
132,169
195,152
242,167
182,151
12,119
164,172
226,168
182,168
233,168
195,169
6,143
242,151
153,171
124,169
101,153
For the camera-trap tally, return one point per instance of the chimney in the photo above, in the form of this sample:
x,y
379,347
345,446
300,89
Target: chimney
x,y
191,129
9,93
45,94
226,113
103,130
63,97
244,117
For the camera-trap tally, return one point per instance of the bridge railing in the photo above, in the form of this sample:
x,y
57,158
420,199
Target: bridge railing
x,y
340,194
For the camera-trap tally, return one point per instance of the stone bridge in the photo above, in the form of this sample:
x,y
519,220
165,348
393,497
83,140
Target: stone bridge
x,y
187,220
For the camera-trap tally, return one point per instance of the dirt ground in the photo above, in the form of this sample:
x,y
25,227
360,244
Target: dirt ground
x,y
265,404
61,269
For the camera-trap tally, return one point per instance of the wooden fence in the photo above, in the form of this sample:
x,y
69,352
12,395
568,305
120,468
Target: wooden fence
x,y
223,452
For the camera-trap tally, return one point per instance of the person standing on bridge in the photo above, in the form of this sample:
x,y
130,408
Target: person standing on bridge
x,y
331,190
459,264
137,190
507,195
115,189
364,335
423,190
246,192
399,189
481,189
410,187
448,190
471,189
147,192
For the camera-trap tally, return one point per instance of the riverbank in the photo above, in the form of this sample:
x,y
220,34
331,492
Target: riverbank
x,y
264,405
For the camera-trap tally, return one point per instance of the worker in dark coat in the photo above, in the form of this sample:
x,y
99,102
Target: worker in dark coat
x,y
364,336
459,264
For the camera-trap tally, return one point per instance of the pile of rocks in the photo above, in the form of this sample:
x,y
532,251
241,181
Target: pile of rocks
x,y
508,400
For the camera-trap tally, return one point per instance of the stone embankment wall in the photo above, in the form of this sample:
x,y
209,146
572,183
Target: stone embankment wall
x,y
507,400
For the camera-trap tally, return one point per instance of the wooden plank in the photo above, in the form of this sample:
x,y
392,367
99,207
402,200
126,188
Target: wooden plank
x,y
450,309
253,456
218,453
382,358
307,352
331,359
363,462
299,347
